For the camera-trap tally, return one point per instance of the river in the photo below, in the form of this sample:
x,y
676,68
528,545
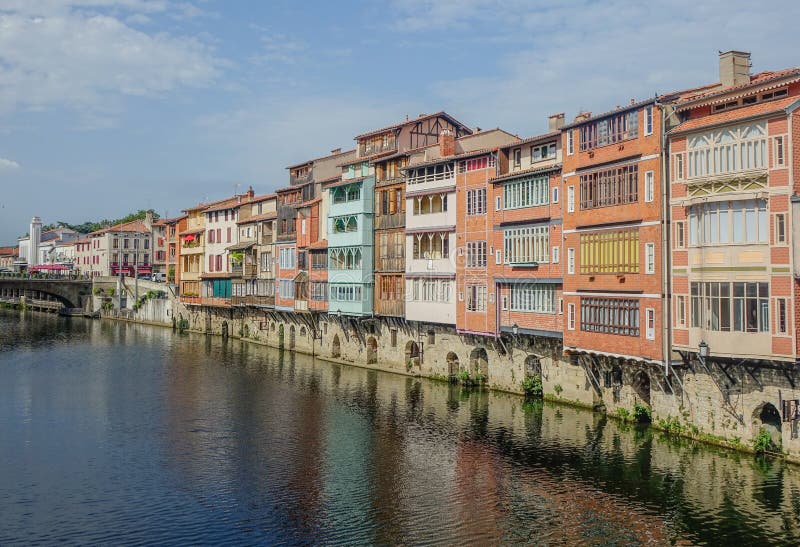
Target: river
x,y
118,433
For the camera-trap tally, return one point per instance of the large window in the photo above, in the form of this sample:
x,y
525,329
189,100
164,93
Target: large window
x,y
610,252
345,224
610,187
613,129
476,254
527,192
737,307
476,297
476,201
286,288
533,298
729,222
344,194
431,245
610,316
430,290
345,258
319,291
474,164
346,293
430,204
739,148
286,258
430,173
526,245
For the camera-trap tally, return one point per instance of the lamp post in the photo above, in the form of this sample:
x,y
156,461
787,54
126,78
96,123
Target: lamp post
x,y
515,329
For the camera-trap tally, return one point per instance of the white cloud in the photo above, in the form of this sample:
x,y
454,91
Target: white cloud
x,y
6,164
83,54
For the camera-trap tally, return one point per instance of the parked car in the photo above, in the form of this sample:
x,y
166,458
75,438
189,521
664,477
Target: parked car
x,y
158,277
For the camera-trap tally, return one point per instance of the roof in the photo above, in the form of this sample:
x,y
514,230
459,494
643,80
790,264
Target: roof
x,y
10,251
343,152
240,246
216,275
745,112
136,226
632,106
441,113
229,203
330,179
321,244
531,171
194,231
454,157
79,240
263,197
715,90
545,137
347,182
360,159
258,218
293,187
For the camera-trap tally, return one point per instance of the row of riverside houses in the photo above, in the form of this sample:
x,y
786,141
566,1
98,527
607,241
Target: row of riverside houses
x,y
630,243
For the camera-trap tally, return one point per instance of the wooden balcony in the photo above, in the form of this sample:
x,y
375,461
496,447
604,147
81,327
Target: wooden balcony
x,y
390,308
265,239
390,264
253,300
386,222
301,305
318,305
246,271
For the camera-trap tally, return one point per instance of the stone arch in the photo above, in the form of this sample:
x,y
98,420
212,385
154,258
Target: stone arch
x,y
453,364
280,335
372,351
767,418
616,376
246,331
303,332
479,362
641,385
412,354
336,347
291,337
272,326
224,329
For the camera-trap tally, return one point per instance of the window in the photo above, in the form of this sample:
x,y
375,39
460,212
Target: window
x,y
476,201
476,254
648,120
649,186
560,306
498,257
679,166
319,291
229,235
430,204
610,252
780,308
780,158
616,128
680,311
346,293
555,194
431,245
393,333
344,194
649,258
526,245
475,164
729,150
344,224
476,298
713,307
430,173
571,316
431,338
570,142
555,255
610,316
429,290
517,157
286,258
570,199
680,235
533,298
546,151
650,323
504,303
286,288
570,260
610,187
266,262
780,228
497,204
219,263
146,243
728,222
527,192
345,258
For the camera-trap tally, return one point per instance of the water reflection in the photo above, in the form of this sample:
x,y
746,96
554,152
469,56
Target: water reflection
x,y
118,432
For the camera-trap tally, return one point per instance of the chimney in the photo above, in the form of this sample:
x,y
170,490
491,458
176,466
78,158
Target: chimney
x,y
336,151
734,68
148,219
555,122
250,192
447,143
582,116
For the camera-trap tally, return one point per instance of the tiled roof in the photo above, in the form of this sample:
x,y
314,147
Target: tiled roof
x,y
346,182
8,251
537,138
451,158
321,244
759,109
716,89
293,187
409,121
191,232
631,106
230,203
342,153
531,171
264,197
132,226
258,218
371,157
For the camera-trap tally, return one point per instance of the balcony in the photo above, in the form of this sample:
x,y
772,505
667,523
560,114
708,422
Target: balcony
x,y
246,271
386,222
391,264
376,147
390,308
253,300
301,305
266,239
302,179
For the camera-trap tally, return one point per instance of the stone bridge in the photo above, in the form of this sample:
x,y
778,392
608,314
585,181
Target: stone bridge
x,y
73,294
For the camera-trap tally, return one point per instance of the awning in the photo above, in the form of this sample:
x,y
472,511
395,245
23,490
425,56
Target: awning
x,y
241,246
189,237
50,267
302,277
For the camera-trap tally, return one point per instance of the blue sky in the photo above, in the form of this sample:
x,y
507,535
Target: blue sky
x,y
108,106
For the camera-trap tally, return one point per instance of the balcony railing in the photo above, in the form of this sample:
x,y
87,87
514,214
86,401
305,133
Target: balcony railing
x,y
247,271
433,177
265,239
253,300
391,264
396,220
301,305
391,308
375,147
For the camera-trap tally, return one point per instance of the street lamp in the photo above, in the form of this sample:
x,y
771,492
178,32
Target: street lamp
x,y
515,329
703,349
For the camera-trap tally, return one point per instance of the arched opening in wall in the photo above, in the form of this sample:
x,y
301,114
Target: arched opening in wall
x,y
272,327
291,337
479,364
246,331
768,419
303,332
452,365
224,329
336,348
641,385
372,351
280,336
532,383
412,354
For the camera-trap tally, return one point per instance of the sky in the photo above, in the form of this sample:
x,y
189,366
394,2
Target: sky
x,y
111,106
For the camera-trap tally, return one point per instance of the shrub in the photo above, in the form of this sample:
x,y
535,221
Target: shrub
x,y
558,389
624,414
642,413
532,386
112,291
763,442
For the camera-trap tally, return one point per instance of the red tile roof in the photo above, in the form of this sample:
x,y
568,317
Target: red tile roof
x,y
760,109
257,218
230,203
132,226
531,171
410,121
713,90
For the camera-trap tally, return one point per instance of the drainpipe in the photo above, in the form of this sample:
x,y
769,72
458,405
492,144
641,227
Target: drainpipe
x,y
666,255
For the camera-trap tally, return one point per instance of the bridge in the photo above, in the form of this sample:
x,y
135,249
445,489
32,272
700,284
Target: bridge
x,y
72,294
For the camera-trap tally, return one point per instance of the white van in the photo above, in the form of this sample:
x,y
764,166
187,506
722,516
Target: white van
x,y
158,277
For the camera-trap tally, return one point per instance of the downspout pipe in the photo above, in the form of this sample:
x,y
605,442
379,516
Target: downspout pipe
x,y
666,239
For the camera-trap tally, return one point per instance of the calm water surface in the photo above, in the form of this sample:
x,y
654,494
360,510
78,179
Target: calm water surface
x,y
128,434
